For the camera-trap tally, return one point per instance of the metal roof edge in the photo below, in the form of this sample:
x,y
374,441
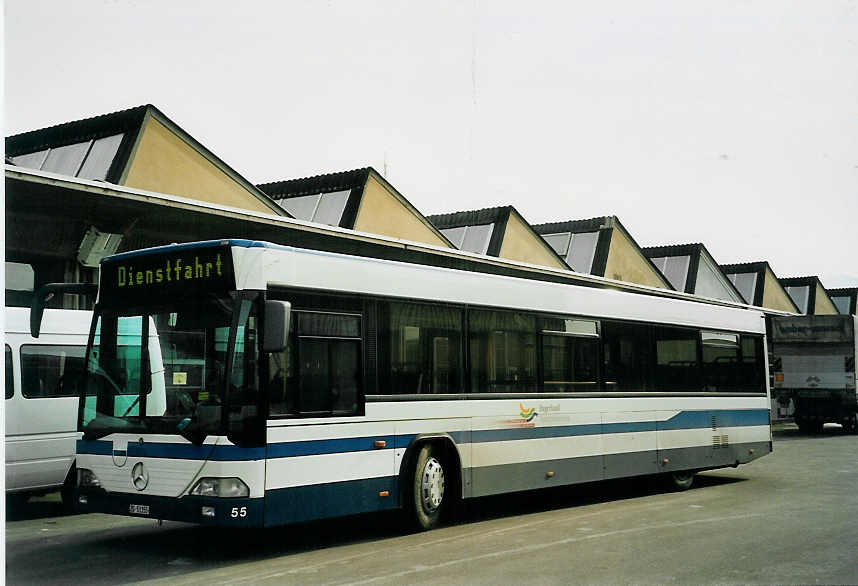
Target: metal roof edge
x,y
43,177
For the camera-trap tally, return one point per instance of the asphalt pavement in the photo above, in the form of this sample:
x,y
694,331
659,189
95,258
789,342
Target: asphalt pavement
x,y
788,518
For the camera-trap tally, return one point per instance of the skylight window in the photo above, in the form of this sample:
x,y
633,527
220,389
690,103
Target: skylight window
x,y
578,249
470,238
799,296
322,208
842,304
582,250
711,283
675,268
89,159
559,242
746,283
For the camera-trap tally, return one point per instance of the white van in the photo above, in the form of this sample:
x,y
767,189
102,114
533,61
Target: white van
x,y
41,399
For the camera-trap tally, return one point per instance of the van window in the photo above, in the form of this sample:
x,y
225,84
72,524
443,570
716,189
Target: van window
x,y
50,371
10,382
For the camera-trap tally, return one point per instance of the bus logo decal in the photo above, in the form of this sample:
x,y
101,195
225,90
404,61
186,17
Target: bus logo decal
x,y
140,476
527,414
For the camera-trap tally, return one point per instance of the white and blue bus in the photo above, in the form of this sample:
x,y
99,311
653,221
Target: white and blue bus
x,y
304,384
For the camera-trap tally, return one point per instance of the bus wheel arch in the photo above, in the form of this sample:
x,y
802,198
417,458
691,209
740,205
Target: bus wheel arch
x,y
431,480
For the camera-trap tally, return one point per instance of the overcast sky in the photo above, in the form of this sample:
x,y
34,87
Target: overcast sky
x,y
734,124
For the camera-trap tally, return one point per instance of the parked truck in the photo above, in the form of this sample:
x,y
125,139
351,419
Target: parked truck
x,y
814,369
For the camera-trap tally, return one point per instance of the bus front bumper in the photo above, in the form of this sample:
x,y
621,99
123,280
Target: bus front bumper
x,y
232,512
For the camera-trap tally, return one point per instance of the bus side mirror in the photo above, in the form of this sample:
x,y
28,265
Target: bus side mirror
x,y
276,334
46,292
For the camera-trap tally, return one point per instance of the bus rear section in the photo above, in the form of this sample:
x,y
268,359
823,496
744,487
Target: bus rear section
x,y
815,369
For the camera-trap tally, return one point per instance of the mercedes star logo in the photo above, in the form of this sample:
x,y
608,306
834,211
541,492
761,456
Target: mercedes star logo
x,y
140,476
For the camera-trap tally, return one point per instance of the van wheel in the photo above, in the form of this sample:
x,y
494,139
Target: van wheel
x,y
429,496
850,424
67,491
681,480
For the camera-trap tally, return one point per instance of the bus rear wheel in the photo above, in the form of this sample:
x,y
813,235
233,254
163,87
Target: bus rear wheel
x,y
429,495
681,480
850,424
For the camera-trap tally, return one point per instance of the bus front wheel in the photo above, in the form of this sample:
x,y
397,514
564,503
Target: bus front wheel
x,y
428,490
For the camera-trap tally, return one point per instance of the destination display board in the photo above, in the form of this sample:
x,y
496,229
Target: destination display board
x,y
135,279
813,328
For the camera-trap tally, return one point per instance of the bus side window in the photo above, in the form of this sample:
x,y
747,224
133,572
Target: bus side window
x,y
721,367
627,355
676,364
570,354
320,371
753,367
425,344
10,381
503,352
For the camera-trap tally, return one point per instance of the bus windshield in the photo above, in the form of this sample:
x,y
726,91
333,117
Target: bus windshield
x,y
173,369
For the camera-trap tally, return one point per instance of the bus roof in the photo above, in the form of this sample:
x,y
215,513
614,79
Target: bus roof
x,y
548,274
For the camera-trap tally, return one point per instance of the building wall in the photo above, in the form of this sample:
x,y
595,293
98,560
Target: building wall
x,y
520,244
165,163
824,306
774,296
626,263
381,212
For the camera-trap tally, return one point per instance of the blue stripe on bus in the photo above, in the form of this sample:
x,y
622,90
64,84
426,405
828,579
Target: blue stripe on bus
x,y
328,446
700,419
175,451
682,420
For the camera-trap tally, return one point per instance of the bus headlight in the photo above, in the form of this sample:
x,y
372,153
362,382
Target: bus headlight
x,y
87,479
221,487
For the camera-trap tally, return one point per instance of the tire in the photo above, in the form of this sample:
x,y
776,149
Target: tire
x,y
681,480
429,495
850,424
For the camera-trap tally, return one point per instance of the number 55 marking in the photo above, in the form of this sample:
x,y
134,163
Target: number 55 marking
x,y
238,512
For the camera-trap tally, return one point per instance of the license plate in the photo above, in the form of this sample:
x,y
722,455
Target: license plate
x,y
138,509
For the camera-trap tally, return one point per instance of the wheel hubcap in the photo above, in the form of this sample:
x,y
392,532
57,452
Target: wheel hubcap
x,y
432,485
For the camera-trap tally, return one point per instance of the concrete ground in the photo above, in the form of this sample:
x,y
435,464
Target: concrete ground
x,y
788,518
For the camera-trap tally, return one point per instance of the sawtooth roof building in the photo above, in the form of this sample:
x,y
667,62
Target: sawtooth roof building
x,y
690,268
602,247
759,285
809,295
360,200
502,232
845,300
